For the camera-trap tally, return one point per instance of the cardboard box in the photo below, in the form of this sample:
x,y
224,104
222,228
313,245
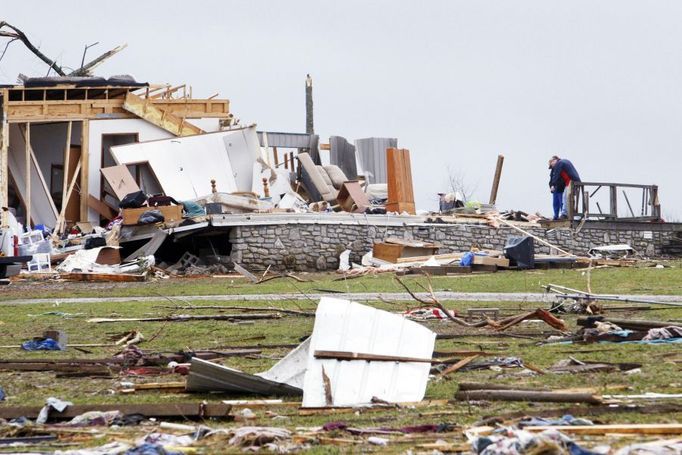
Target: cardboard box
x,y
170,213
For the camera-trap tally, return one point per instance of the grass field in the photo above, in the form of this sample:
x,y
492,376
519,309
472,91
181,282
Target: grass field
x,y
660,371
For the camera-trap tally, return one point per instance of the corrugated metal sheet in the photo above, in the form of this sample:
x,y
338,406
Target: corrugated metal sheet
x,y
371,153
293,140
341,325
206,376
342,154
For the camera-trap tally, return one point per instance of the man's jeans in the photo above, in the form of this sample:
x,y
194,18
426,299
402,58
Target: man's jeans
x,y
557,203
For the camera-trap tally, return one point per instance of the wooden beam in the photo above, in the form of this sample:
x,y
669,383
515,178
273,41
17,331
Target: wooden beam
x,y
528,395
59,225
101,207
160,117
496,179
99,108
27,181
85,165
346,355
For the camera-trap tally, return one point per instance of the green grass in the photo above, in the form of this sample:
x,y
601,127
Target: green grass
x,y
21,322
626,280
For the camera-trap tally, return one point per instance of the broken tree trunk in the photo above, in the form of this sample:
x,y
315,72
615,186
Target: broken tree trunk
x,y
528,395
185,318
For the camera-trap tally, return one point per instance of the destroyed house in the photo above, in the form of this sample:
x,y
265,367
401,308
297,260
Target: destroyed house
x,y
57,135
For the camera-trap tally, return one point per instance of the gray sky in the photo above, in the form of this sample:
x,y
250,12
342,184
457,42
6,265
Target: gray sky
x,y
458,82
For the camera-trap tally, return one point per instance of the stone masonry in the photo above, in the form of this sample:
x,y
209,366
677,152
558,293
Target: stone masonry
x,y
316,247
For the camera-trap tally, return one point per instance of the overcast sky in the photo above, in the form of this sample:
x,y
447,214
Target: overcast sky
x,y
457,82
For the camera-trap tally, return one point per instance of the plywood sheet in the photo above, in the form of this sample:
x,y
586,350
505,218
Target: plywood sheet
x,y
341,325
120,180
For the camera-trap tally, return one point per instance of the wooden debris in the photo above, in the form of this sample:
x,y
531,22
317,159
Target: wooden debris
x,y
465,361
345,355
185,318
528,395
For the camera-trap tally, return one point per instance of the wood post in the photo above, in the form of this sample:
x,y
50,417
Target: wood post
x,y
586,203
655,203
275,156
27,192
67,156
613,197
4,151
496,179
85,165
570,212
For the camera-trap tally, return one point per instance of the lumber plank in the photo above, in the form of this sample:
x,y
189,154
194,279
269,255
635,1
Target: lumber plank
x,y
160,117
465,361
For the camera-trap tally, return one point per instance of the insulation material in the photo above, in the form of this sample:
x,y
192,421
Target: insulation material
x,y
43,210
185,166
341,325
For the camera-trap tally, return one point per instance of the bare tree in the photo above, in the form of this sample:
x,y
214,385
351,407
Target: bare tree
x,y
458,183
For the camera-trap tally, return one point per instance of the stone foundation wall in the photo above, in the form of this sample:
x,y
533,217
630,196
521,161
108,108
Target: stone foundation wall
x,y
316,247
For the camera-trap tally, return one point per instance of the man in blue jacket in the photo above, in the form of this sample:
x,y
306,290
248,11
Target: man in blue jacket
x,y
563,173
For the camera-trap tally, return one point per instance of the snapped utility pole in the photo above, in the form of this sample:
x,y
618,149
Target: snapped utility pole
x,y
309,127
496,180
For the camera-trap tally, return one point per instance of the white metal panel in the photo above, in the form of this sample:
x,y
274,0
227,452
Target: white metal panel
x,y
341,325
291,369
185,166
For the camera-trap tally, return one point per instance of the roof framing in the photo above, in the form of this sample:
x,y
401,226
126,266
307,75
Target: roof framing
x,y
67,102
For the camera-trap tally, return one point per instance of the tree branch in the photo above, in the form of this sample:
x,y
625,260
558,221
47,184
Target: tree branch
x,y
18,34
85,69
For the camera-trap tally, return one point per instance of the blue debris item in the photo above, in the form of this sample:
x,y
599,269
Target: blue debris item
x,y
467,260
41,344
150,449
565,420
508,441
2,394
193,209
